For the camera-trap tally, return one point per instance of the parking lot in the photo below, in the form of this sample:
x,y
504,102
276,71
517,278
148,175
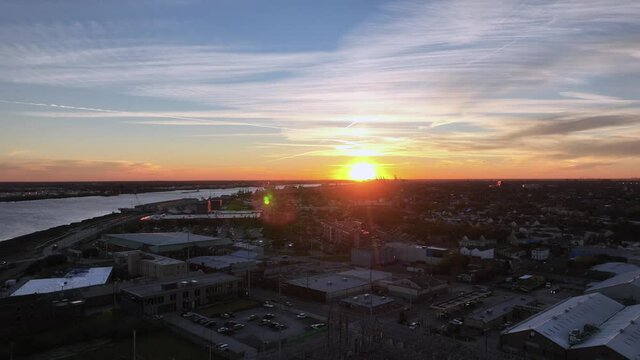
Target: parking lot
x,y
258,329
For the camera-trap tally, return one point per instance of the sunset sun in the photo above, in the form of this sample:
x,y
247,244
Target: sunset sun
x,y
362,171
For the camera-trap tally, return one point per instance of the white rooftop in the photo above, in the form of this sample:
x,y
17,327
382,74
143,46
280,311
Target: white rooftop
x,y
631,278
620,333
77,278
615,267
556,322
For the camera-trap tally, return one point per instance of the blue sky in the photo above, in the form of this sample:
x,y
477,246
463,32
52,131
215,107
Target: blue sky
x,y
176,89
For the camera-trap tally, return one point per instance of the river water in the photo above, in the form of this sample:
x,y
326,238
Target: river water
x,y
24,217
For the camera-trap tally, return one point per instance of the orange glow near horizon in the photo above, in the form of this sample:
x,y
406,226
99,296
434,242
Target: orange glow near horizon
x,y
362,171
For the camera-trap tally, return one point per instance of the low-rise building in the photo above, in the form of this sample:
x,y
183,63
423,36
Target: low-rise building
x,y
417,288
140,263
623,287
326,287
590,326
161,243
74,279
410,253
540,254
369,303
481,253
186,292
494,316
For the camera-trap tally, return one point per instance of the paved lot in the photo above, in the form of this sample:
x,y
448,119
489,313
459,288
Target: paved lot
x,y
209,335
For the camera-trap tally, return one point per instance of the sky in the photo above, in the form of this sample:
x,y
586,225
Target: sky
x,y
235,89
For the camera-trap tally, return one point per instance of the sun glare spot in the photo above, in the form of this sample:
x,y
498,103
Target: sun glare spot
x,y
362,171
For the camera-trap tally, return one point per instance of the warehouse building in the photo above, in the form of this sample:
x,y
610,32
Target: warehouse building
x,y
74,279
590,326
162,243
369,303
326,287
493,317
182,293
623,287
417,288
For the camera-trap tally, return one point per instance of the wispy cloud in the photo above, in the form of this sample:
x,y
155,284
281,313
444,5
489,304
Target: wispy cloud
x,y
449,80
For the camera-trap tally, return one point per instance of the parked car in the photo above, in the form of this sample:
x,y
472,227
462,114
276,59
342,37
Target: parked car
x,y
264,322
318,326
268,316
224,330
252,317
222,347
414,325
238,326
268,305
301,316
226,315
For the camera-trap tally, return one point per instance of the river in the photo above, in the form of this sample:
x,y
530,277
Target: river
x,y
24,217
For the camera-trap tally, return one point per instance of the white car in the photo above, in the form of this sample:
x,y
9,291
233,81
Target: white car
x,y
318,326
267,305
301,316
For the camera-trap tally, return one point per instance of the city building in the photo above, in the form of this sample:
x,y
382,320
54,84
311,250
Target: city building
x,y
141,263
493,317
239,261
74,279
186,292
369,303
410,253
590,326
630,255
623,287
161,243
417,288
326,287
540,254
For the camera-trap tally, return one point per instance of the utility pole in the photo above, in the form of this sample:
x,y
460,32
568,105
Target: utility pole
x,y
134,344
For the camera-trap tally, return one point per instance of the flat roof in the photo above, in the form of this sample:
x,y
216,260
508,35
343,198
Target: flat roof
x,y
491,313
367,300
74,279
366,274
200,279
329,282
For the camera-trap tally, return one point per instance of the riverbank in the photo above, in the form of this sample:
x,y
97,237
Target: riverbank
x,y
28,245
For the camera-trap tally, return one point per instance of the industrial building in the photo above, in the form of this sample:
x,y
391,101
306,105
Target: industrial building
x,y
410,253
238,261
369,303
161,243
74,279
590,326
186,292
140,263
326,287
623,287
493,317
417,288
